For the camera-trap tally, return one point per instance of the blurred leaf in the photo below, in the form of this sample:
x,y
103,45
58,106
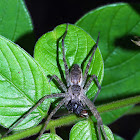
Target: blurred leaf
x,y
22,84
16,24
78,44
137,136
50,136
117,23
86,130
116,137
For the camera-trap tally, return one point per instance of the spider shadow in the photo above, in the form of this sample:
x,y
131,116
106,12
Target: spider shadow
x,y
135,6
58,66
27,42
125,42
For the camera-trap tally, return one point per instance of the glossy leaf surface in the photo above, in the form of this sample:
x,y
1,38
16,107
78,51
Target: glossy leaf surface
x,y
50,136
22,84
86,130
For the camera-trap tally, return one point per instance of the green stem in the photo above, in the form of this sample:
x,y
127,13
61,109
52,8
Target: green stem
x,y
118,104
52,130
71,119
66,120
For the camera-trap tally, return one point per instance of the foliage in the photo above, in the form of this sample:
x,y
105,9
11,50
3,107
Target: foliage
x,y
23,79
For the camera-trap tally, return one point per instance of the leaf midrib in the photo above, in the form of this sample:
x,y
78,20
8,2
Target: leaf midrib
x,y
24,95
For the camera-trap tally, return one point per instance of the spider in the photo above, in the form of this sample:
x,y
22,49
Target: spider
x,y
74,97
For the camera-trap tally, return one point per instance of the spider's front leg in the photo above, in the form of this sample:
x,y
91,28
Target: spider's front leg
x,y
59,81
89,62
94,111
64,59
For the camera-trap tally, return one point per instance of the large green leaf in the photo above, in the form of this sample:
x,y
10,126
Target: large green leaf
x,y
117,24
22,84
15,23
86,130
78,44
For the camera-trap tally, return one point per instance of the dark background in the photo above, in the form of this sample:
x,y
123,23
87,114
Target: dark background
x,y
47,14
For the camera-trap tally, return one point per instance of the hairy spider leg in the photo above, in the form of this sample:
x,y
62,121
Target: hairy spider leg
x,y
31,109
89,62
50,116
64,59
88,84
59,81
94,111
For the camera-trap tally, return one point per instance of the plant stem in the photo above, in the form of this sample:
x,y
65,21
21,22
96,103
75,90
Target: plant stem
x,y
71,119
118,104
67,120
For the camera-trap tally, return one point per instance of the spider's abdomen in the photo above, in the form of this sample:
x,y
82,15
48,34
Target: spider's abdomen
x,y
75,107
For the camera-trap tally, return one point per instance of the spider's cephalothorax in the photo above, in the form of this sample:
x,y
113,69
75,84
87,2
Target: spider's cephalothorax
x,y
74,97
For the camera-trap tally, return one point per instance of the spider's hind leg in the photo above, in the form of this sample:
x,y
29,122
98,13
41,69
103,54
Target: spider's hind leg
x,y
31,110
88,84
50,116
94,111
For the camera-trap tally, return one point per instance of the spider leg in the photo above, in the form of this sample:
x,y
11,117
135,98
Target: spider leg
x,y
31,109
88,84
59,81
50,116
94,111
89,62
64,59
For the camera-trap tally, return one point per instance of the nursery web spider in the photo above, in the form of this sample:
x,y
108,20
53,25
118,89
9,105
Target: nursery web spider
x,y
74,97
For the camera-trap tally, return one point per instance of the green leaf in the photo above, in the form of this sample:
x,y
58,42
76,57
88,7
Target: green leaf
x,y
22,84
50,136
16,24
116,137
137,136
78,44
117,24
86,130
